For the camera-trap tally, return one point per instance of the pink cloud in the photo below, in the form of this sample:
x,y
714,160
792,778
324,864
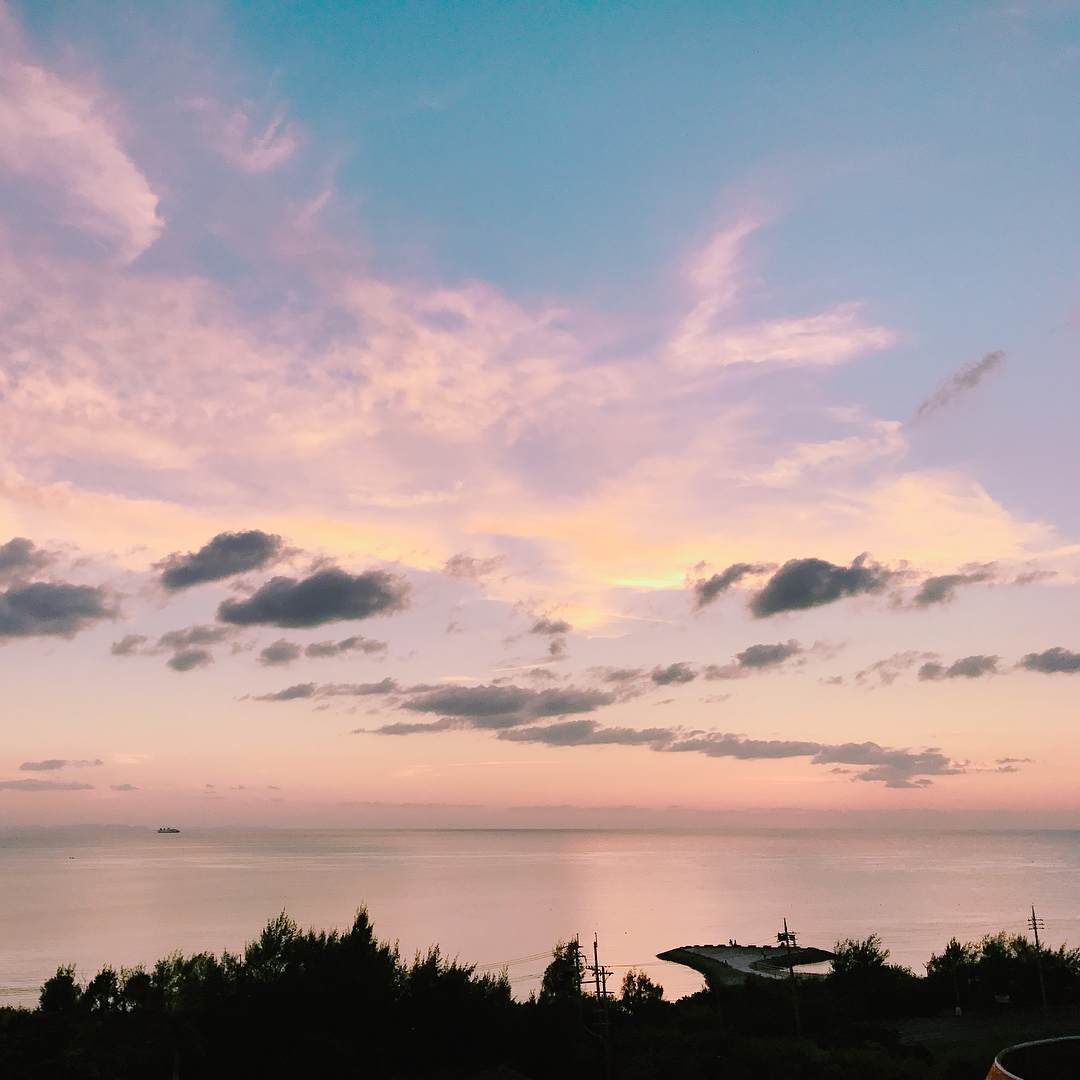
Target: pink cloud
x,y
232,133
57,137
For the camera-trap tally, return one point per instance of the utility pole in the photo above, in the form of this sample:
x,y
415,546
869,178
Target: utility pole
x,y
787,939
1036,925
600,974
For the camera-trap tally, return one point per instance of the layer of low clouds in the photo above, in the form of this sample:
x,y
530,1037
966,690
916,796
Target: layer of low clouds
x,y
327,596
894,768
512,713
960,382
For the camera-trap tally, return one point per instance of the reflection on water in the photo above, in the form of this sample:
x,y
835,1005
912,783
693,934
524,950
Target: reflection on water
x,y
127,896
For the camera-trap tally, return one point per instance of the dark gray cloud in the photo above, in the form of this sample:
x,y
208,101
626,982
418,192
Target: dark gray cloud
x,y
326,596
672,674
189,659
384,686
412,729
1057,659
622,674
193,635
46,609
123,787
942,589
189,645
960,381
44,785
709,589
762,656
551,626
586,733
19,558
754,658
807,583
1033,576
291,693
51,764
356,643
896,768
279,653
970,667
465,567
43,766
506,706
313,690
128,645
474,702
225,556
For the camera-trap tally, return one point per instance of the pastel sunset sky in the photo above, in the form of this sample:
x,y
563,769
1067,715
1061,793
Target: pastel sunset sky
x,y
426,412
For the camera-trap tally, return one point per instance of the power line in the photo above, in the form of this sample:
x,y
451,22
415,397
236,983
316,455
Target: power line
x,y
512,963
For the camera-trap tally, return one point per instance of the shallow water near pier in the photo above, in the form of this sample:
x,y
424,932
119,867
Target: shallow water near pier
x,y
125,896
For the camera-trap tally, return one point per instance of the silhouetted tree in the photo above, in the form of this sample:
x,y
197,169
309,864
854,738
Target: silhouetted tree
x,y
562,977
61,993
640,995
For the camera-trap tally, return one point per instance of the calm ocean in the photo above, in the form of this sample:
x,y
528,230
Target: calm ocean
x,y
125,896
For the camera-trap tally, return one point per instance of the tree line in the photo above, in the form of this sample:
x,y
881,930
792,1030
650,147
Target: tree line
x,y
333,1004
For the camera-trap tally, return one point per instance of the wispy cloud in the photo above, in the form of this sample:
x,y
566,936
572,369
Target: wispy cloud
x,y
57,135
960,382
233,133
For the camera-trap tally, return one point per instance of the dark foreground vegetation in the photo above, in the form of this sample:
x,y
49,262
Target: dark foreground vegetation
x,y
306,1004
